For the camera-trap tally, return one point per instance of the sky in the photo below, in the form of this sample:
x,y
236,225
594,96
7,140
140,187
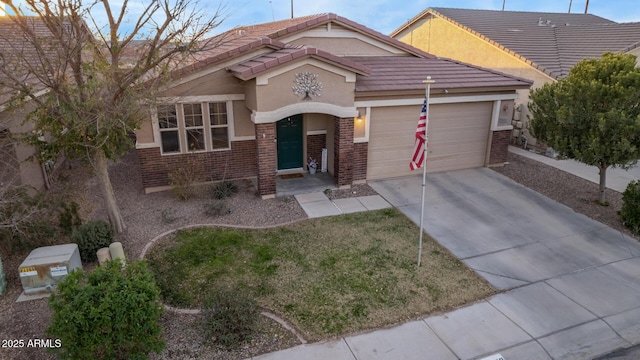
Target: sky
x,y
387,15
381,15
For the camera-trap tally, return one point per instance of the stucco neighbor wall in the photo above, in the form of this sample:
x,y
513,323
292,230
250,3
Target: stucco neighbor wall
x,y
441,38
31,172
636,52
278,92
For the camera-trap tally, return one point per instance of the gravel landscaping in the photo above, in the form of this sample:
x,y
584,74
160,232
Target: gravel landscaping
x,y
148,216
575,192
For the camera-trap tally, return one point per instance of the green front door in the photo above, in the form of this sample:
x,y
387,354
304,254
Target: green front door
x,y
289,135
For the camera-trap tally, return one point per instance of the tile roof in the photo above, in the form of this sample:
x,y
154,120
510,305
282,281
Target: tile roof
x,y
14,50
407,73
251,68
551,42
243,39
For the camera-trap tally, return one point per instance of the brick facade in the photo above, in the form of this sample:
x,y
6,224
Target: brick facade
x,y
499,147
343,151
315,144
266,150
360,151
239,162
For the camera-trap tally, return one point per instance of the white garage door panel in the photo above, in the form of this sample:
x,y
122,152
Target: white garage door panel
x,y
458,136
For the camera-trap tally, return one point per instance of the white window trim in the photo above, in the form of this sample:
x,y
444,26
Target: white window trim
x,y
206,123
158,131
229,126
186,128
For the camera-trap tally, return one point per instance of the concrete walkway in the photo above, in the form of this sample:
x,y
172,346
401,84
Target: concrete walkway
x,y
316,204
572,285
617,179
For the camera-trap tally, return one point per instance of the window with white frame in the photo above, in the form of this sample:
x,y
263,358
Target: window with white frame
x,y
199,126
168,124
194,127
219,123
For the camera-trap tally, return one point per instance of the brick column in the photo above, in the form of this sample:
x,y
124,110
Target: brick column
x,y
499,147
267,159
343,151
360,153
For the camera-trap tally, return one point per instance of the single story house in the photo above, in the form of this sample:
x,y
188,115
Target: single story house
x,y
541,47
18,164
271,96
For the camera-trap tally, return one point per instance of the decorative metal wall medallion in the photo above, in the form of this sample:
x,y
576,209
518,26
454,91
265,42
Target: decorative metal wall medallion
x,y
306,84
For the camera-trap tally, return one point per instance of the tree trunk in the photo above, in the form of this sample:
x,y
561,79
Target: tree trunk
x,y
603,183
100,166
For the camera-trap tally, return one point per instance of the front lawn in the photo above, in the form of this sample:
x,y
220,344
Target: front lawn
x,y
328,276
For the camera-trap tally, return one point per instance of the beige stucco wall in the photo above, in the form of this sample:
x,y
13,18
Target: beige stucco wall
x,y
441,38
636,52
278,92
242,120
343,46
218,83
315,122
144,135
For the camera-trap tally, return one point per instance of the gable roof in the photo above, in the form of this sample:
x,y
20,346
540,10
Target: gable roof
x,y
375,73
550,42
253,67
26,42
243,39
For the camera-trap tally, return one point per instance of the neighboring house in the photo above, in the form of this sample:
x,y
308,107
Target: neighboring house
x,y
17,161
271,96
541,47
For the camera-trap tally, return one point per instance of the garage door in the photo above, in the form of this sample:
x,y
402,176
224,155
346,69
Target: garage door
x,y
458,136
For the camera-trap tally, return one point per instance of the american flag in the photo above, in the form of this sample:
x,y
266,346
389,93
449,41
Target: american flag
x,y
421,139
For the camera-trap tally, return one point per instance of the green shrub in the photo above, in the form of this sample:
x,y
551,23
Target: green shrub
x,y
224,189
230,317
630,211
112,313
91,237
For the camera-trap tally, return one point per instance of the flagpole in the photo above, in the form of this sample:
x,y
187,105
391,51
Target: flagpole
x,y
428,82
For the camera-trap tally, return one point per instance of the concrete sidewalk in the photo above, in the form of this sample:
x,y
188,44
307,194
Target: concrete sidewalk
x,y
617,179
572,284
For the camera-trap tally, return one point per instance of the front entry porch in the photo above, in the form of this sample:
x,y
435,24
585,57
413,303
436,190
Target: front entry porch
x,y
336,136
306,183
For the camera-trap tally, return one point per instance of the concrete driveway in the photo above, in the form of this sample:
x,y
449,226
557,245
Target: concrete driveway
x,y
509,234
573,283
